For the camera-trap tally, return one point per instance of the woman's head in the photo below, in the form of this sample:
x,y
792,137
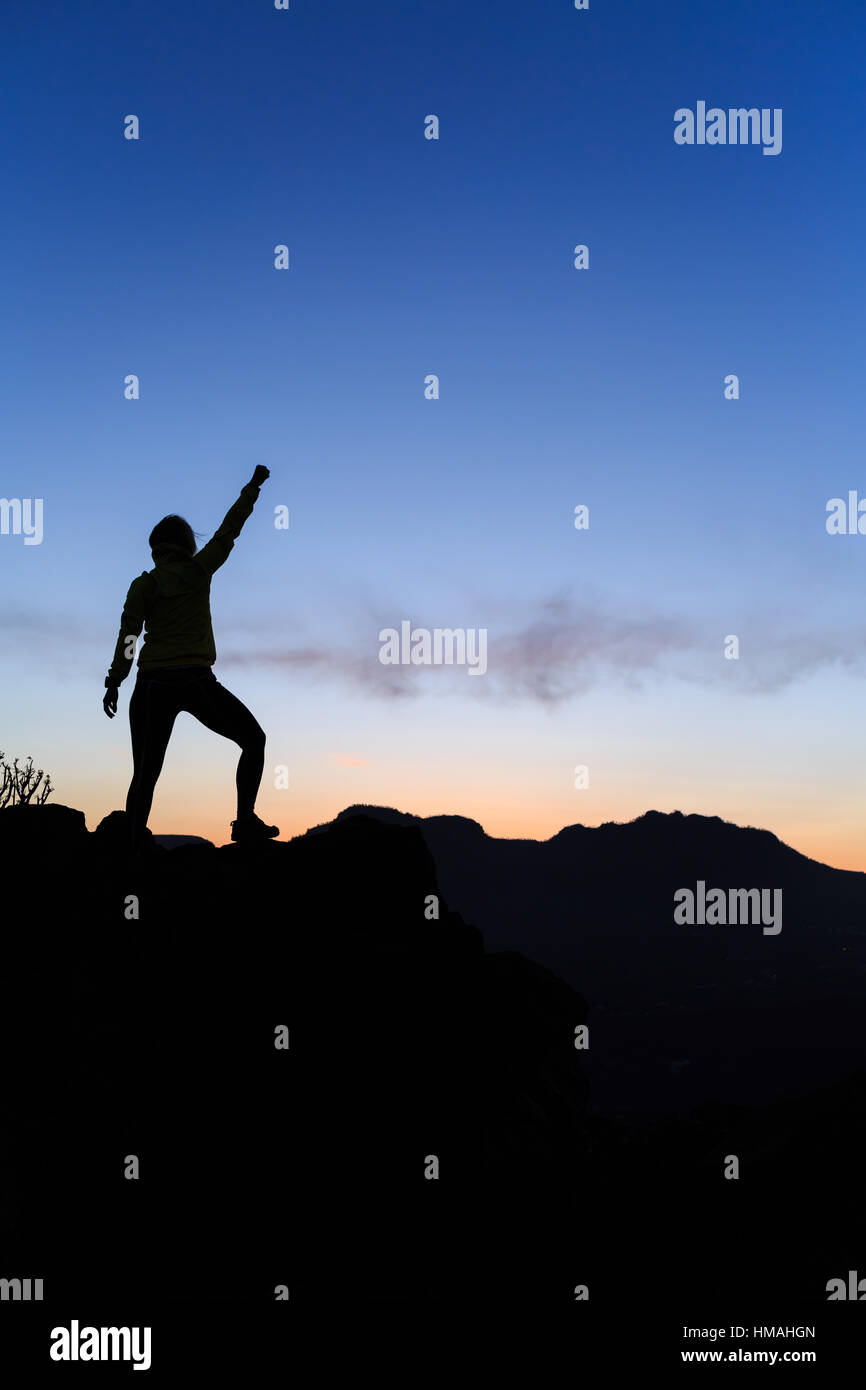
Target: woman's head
x,y
173,530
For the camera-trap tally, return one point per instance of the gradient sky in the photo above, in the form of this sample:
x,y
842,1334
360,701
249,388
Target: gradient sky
x,y
558,387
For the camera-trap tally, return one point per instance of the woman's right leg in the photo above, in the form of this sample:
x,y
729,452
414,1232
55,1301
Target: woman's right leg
x,y
222,712
152,712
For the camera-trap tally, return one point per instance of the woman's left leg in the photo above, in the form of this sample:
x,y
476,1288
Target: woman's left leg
x,y
218,709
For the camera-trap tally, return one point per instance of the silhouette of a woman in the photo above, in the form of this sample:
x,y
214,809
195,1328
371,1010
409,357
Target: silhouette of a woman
x,y
174,665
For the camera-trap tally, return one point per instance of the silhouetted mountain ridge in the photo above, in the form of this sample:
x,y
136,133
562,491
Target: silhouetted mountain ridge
x,y
596,906
652,830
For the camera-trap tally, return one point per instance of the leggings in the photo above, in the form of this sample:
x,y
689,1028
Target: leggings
x,y
159,696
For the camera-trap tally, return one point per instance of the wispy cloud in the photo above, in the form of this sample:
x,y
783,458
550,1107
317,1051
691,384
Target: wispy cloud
x,y
560,648
545,650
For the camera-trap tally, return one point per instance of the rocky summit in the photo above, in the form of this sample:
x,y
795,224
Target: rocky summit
x,y
297,1067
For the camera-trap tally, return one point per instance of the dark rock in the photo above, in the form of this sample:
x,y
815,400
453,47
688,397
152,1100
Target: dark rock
x,y
46,825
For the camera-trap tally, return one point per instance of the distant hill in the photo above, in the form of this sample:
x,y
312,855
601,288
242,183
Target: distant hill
x,y
682,1013
176,841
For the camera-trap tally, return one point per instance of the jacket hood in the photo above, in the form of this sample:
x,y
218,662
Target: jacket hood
x,y
174,569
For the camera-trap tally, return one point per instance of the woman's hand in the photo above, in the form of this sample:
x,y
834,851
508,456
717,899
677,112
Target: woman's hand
x,y
260,475
109,703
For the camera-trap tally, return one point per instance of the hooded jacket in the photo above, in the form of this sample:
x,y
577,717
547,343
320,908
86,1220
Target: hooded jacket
x,y
172,601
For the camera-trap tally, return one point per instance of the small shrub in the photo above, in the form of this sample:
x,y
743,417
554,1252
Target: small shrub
x,y
20,785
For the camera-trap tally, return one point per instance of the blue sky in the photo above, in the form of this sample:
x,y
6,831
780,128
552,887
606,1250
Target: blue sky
x,y
558,387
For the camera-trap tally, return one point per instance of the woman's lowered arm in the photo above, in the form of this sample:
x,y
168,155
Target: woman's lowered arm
x,y
131,623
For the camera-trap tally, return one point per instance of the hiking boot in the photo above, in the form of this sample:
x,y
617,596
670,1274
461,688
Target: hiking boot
x,y
252,829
